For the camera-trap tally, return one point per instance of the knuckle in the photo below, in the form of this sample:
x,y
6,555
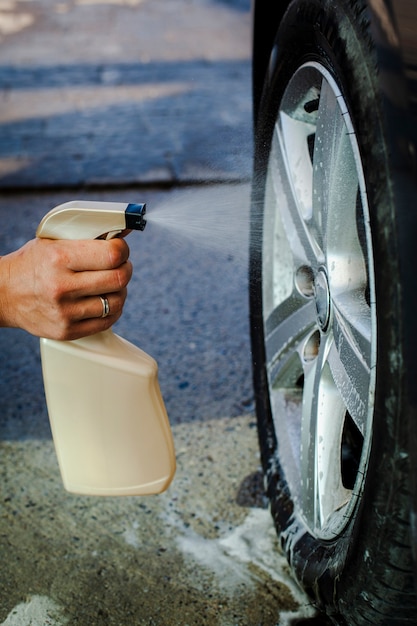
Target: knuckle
x,y
57,255
63,330
59,290
121,301
122,275
63,321
56,292
109,321
118,252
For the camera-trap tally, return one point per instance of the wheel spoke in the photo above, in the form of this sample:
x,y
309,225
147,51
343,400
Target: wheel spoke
x,y
308,494
351,372
323,416
331,494
286,330
327,161
354,320
296,211
345,230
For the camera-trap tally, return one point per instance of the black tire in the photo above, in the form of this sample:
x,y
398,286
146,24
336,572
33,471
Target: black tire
x,y
353,556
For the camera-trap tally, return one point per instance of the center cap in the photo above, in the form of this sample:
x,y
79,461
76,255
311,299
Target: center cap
x,y
322,299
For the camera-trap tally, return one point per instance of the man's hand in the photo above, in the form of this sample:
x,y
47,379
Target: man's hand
x,y
51,288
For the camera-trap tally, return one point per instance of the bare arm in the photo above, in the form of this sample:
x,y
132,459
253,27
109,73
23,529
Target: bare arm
x,y
50,288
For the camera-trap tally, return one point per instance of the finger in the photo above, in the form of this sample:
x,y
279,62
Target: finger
x,y
89,327
99,307
94,255
124,233
95,283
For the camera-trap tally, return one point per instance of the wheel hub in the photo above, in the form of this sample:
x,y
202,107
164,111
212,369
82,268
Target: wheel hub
x,y
322,299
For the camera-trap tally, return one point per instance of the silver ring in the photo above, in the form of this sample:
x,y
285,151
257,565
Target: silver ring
x,y
106,306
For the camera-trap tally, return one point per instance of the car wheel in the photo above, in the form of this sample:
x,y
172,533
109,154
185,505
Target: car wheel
x,y
326,319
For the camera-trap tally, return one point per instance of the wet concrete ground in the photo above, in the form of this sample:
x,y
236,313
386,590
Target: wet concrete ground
x,y
203,553
114,101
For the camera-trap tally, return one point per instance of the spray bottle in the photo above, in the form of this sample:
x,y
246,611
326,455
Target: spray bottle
x,y
108,419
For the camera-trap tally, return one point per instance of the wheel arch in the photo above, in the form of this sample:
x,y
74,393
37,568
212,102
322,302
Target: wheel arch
x,y
388,24
267,17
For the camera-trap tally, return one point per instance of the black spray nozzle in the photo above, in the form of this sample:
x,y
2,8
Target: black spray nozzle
x,y
135,216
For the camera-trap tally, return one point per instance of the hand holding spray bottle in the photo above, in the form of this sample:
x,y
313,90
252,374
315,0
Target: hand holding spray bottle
x,y
108,419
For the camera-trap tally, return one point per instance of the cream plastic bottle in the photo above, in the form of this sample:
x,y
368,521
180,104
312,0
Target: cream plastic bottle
x,y
108,419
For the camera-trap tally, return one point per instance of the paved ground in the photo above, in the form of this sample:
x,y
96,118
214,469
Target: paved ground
x,y
124,91
140,100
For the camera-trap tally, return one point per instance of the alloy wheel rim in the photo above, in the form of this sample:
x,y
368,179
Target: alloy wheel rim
x,y
319,301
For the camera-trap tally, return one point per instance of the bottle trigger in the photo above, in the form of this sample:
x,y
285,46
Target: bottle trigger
x,y
112,234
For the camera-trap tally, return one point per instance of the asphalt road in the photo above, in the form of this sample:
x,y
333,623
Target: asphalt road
x,y
122,92
140,100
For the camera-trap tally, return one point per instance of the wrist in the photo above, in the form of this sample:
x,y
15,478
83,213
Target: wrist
x,y
6,318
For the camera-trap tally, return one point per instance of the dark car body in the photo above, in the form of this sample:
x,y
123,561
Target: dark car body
x,y
394,27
